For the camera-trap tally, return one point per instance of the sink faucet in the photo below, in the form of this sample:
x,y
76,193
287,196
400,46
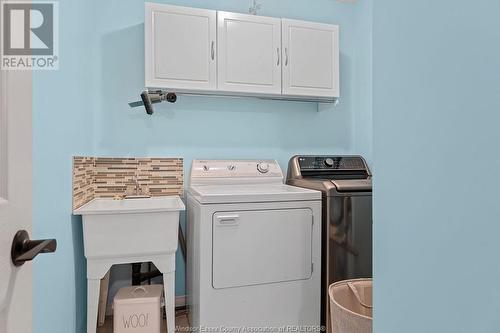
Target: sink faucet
x,y
137,193
137,188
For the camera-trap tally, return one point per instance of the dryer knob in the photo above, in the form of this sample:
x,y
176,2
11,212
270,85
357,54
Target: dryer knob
x,y
263,167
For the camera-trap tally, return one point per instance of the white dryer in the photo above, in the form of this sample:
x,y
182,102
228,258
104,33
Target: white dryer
x,y
254,248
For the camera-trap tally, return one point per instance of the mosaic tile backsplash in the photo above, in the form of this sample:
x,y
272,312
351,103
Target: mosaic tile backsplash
x,y
103,177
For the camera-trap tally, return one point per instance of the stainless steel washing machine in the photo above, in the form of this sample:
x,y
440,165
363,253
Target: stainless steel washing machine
x,y
346,240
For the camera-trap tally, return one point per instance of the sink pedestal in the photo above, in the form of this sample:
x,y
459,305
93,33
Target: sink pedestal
x,y
126,232
97,268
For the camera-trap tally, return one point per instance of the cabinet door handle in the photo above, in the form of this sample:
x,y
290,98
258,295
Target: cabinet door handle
x,y
213,50
278,53
286,56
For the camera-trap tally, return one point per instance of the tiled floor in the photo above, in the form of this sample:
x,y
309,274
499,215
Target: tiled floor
x,y
180,321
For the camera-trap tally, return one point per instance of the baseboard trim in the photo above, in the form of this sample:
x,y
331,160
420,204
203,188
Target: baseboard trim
x,y
180,301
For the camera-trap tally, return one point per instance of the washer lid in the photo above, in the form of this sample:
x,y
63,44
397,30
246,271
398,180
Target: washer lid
x,y
353,185
212,194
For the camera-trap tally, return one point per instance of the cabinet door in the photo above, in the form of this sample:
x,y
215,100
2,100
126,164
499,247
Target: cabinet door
x,y
180,47
249,53
310,59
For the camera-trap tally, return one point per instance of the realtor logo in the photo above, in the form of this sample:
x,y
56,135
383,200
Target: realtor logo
x,y
29,35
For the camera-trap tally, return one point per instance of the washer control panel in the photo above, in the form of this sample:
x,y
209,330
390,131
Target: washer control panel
x,y
331,163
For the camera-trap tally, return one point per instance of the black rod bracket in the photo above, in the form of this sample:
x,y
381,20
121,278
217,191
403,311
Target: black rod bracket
x,y
150,97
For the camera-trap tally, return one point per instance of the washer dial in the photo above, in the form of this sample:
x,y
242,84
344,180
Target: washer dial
x,y
329,162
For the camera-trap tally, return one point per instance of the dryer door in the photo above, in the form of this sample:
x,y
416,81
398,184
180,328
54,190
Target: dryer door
x,y
261,246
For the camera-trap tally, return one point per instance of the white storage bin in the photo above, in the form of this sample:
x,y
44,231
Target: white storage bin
x,y
137,309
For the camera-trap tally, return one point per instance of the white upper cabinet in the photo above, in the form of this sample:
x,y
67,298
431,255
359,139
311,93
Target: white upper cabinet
x,y
249,53
214,52
180,45
310,59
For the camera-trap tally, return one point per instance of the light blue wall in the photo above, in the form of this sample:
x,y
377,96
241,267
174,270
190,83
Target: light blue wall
x,y
436,72
63,126
82,109
363,117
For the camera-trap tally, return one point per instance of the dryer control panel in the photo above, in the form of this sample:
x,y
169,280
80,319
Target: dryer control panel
x,y
235,171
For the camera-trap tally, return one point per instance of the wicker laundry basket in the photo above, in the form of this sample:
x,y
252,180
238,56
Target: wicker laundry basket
x,y
351,306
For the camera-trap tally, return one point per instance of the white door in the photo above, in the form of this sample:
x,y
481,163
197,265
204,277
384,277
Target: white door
x,y
249,53
180,47
15,197
15,203
310,59
261,246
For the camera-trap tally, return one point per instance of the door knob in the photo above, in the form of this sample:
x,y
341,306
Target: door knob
x,y
24,249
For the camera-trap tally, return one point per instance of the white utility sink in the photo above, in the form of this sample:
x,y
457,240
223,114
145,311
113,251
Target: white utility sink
x,y
127,206
130,231
130,226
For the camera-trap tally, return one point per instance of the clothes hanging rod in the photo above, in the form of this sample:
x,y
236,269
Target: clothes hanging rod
x,y
150,97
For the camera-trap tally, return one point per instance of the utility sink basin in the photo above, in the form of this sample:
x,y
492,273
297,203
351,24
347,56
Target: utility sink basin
x,y
130,227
